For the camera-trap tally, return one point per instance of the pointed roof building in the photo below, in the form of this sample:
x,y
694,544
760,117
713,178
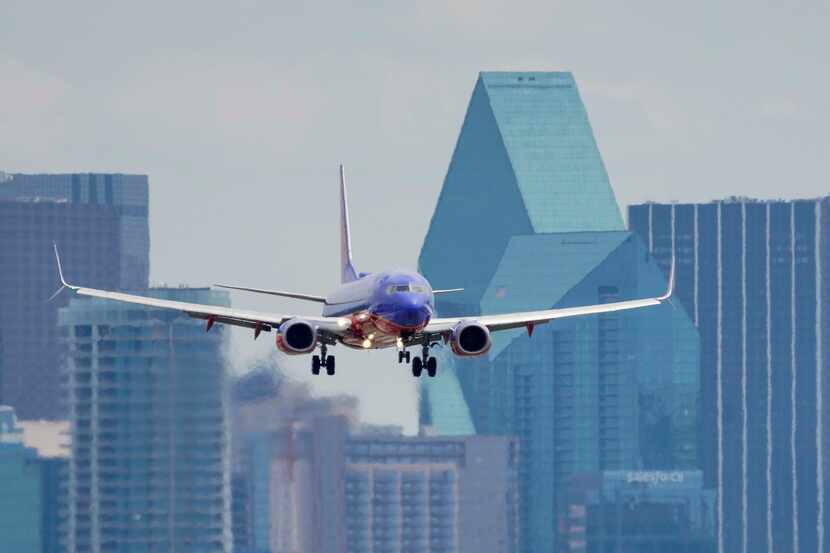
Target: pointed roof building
x,y
526,162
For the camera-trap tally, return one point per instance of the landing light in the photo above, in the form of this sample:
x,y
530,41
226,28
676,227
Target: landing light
x,y
362,317
367,343
399,343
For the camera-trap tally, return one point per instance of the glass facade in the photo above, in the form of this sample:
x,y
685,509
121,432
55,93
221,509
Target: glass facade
x,y
752,274
20,490
638,512
526,220
100,223
150,465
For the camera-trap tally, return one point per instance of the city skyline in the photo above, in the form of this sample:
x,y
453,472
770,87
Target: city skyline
x,y
256,105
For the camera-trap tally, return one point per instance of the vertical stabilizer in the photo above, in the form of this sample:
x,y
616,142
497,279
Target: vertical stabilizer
x,y
347,270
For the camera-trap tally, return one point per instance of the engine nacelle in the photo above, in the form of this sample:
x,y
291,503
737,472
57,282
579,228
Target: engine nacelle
x,y
470,338
296,336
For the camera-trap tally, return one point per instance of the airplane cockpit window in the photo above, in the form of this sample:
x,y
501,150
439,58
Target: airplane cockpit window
x,y
415,288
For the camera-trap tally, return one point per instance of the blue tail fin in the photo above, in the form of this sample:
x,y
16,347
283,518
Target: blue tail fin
x,y
347,270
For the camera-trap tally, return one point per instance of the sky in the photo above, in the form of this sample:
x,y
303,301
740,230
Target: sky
x,y
241,112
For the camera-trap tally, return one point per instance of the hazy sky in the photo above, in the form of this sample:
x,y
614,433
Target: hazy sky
x,y
240,114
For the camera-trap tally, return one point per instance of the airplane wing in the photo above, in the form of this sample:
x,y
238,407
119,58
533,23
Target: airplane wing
x,y
530,318
212,313
294,295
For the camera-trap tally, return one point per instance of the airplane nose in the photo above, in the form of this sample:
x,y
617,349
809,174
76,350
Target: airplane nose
x,y
413,315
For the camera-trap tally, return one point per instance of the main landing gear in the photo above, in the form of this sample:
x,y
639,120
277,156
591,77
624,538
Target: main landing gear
x,y
322,360
420,363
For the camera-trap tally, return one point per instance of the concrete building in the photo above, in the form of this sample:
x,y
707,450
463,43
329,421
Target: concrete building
x,y
752,275
150,466
527,219
320,483
638,512
100,223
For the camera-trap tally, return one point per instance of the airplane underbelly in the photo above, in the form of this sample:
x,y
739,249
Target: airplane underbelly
x,y
370,336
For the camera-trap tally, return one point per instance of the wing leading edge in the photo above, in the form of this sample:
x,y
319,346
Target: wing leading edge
x,y
529,318
212,313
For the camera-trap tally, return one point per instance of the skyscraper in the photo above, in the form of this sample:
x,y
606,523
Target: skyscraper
x,y
527,219
100,223
150,469
752,275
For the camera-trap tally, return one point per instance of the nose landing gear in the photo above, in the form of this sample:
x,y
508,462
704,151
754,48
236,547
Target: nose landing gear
x,y
322,360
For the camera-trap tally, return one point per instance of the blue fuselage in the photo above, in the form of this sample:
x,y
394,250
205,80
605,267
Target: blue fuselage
x,y
382,307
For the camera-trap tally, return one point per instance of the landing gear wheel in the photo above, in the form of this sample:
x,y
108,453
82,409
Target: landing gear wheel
x,y
432,366
403,356
330,365
417,367
315,365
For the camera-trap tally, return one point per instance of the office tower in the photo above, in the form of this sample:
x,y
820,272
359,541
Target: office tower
x,y
751,274
150,469
20,489
638,512
318,482
50,440
100,223
527,220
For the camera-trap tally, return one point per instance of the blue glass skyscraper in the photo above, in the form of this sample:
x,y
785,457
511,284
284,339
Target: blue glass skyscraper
x,y
100,223
527,219
752,274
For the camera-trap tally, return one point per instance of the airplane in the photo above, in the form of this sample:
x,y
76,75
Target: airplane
x,y
369,311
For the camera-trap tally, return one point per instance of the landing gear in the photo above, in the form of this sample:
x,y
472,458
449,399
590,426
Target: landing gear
x,y
424,362
403,356
417,367
322,360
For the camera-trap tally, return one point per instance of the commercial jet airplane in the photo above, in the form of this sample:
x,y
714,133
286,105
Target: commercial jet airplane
x,y
370,311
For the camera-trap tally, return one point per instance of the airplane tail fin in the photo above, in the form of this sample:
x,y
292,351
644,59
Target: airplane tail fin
x,y
347,270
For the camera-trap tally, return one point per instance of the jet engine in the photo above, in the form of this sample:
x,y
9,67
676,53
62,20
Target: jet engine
x,y
470,338
296,336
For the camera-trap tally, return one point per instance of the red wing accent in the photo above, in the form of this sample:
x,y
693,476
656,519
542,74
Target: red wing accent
x,y
257,330
530,327
210,321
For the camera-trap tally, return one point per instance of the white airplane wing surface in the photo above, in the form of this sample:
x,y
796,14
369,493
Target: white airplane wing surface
x,y
211,313
529,318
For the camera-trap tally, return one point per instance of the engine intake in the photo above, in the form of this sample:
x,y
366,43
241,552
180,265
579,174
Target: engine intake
x,y
470,338
296,336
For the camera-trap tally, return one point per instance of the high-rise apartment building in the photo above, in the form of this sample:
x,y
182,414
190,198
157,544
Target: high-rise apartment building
x,y
100,223
752,275
150,465
527,219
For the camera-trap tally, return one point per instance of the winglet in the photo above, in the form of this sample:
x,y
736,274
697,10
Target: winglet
x,y
64,284
670,289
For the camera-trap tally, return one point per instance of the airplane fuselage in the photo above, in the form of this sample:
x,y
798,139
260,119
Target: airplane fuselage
x,y
382,307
